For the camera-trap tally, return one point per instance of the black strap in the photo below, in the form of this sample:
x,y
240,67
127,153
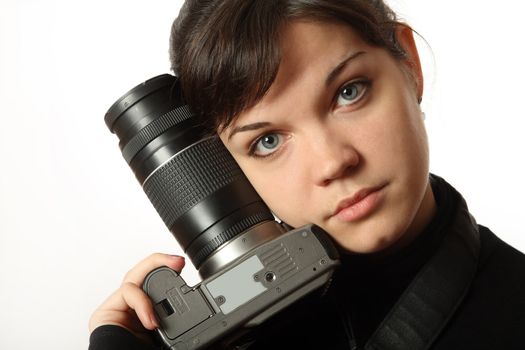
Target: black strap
x,y
432,298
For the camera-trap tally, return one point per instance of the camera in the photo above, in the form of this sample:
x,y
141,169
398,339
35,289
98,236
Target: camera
x,y
252,266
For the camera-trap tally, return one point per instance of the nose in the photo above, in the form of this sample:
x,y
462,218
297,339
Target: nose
x,y
333,157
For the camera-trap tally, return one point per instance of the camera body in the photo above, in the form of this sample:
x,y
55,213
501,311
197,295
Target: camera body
x,y
243,294
251,266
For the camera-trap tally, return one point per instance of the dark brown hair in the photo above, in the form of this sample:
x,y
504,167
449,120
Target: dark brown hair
x,y
227,52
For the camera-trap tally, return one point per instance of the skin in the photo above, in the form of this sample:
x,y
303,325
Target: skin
x,y
129,307
328,139
333,132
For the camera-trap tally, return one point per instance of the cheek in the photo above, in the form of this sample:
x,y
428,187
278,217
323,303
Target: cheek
x,y
414,142
399,136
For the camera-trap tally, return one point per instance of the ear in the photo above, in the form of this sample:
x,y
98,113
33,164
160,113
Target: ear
x,y
405,38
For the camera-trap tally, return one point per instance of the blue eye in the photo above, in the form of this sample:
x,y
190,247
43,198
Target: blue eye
x,y
266,145
351,93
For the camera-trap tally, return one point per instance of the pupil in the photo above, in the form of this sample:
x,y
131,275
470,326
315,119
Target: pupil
x,y
269,141
349,93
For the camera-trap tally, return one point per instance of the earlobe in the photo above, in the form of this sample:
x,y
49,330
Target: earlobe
x,y
405,38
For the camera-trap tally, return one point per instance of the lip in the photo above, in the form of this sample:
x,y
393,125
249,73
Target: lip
x,y
361,204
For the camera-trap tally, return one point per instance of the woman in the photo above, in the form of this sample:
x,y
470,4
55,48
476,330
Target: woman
x,y
319,103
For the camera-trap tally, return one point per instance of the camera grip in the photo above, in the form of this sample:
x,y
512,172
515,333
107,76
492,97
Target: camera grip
x,y
178,306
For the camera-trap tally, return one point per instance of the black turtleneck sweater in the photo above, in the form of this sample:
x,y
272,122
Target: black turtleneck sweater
x,y
365,288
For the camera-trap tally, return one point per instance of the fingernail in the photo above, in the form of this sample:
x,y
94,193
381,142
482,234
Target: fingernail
x,y
177,257
154,321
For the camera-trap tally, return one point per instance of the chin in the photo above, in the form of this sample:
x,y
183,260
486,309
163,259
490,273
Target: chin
x,y
364,242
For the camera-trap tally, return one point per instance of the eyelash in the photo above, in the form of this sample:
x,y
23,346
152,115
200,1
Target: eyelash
x,y
365,84
253,145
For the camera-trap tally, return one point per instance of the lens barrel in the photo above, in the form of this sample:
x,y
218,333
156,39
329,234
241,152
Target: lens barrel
x,y
190,178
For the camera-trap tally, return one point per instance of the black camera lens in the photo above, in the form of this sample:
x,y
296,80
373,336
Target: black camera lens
x,y
190,178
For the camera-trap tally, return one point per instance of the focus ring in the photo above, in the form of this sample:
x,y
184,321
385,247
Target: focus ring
x,y
154,129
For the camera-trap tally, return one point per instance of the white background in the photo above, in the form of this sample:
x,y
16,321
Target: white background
x,y
73,219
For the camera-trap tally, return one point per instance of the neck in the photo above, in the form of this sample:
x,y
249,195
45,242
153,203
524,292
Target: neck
x,y
423,217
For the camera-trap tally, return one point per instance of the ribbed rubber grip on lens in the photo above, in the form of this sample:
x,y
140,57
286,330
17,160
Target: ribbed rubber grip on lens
x,y
185,180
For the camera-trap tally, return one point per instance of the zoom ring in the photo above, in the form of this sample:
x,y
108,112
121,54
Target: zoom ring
x,y
185,180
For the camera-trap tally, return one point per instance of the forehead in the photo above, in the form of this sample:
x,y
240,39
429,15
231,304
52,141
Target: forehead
x,y
306,37
310,51
315,47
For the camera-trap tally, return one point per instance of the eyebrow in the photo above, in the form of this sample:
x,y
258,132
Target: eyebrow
x,y
337,70
329,79
248,127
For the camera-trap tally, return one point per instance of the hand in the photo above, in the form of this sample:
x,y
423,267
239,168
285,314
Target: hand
x,y
129,306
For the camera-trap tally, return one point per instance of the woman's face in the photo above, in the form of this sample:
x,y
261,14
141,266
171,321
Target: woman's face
x,y
338,140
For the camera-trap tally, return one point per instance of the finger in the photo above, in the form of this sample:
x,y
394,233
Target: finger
x,y
115,302
137,300
137,274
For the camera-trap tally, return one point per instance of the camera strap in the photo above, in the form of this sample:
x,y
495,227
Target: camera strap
x,y
429,302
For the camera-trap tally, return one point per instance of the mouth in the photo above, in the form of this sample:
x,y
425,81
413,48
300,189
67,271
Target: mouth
x,y
359,205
